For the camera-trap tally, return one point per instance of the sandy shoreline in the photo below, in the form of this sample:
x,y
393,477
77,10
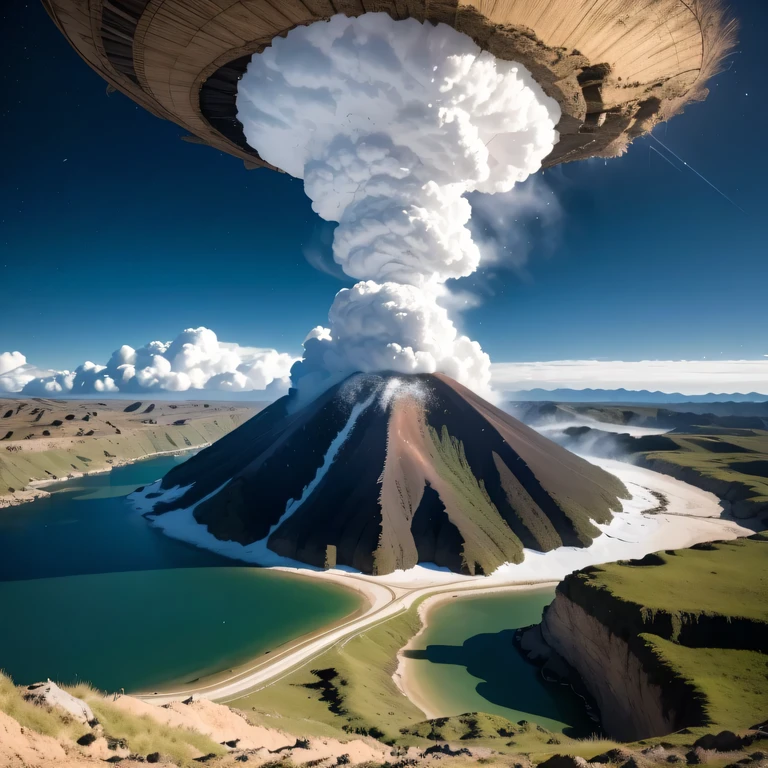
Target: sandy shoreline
x,y
404,675
35,486
691,516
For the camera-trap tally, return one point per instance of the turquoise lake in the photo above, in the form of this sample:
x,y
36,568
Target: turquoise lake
x,y
466,661
90,591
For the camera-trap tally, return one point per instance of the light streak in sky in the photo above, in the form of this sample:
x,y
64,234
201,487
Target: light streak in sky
x,y
703,178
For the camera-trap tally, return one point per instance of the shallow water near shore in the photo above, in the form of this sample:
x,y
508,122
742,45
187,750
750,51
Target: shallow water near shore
x,y
466,661
90,591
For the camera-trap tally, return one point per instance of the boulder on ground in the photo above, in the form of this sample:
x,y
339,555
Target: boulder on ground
x,y
50,695
612,756
725,741
565,761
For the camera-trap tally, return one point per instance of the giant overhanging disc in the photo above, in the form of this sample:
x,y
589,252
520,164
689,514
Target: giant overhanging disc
x,y
616,67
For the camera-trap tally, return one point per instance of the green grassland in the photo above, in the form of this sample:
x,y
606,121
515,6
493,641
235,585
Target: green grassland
x,y
369,702
368,697
495,544
698,621
729,580
737,460
100,453
732,683
142,734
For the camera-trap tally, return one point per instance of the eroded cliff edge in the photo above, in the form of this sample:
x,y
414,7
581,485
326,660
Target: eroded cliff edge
x,y
675,640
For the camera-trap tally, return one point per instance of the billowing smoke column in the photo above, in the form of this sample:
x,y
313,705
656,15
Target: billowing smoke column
x,y
390,123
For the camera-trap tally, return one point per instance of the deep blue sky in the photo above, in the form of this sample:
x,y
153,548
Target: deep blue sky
x,y
113,230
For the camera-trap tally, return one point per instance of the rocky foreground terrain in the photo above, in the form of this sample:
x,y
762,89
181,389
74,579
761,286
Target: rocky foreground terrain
x,y
381,472
45,726
44,440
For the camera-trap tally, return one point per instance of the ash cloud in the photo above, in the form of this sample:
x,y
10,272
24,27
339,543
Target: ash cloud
x,y
390,124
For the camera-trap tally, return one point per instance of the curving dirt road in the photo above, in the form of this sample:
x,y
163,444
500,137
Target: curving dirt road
x,y
692,517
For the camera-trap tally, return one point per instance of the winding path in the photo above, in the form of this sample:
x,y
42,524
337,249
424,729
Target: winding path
x,y
693,516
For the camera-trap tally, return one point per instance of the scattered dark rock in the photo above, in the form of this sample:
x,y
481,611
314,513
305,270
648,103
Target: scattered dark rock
x,y
70,417
673,758
445,749
759,756
725,741
612,756
113,743
56,423
87,417
8,414
46,433
86,739
153,757
564,761
132,407
8,435
695,756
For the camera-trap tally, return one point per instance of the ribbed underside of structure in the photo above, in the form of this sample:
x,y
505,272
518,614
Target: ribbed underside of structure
x,y
616,66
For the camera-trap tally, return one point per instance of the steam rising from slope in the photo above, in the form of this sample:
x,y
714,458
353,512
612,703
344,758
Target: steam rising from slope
x,y
390,123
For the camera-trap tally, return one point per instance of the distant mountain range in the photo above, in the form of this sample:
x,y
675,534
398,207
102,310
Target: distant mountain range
x,y
627,396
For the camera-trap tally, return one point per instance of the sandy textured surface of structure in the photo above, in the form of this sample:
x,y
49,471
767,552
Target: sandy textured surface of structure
x,y
616,67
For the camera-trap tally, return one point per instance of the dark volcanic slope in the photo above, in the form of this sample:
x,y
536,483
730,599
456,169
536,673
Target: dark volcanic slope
x,y
382,472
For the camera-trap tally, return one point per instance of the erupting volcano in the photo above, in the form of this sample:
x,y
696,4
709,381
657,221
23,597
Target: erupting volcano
x,y
382,472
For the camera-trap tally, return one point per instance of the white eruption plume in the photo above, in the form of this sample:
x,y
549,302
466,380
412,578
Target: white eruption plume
x,y
390,123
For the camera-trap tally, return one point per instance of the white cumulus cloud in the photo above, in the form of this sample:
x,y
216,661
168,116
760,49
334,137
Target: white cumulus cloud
x,y
194,360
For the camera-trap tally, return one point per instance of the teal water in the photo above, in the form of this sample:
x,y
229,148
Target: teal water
x,y
90,591
466,661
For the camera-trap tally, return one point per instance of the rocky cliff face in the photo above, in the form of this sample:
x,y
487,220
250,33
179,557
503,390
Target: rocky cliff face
x,y
631,706
677,639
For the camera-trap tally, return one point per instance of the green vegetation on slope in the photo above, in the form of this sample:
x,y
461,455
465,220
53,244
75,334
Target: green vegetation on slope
x,y
698,621
100,453
734,466
34,717
368,699
143,734
728,578
498,544
733,685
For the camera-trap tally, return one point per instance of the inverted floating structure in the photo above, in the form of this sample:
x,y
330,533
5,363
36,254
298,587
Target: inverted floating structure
x,y
617,67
